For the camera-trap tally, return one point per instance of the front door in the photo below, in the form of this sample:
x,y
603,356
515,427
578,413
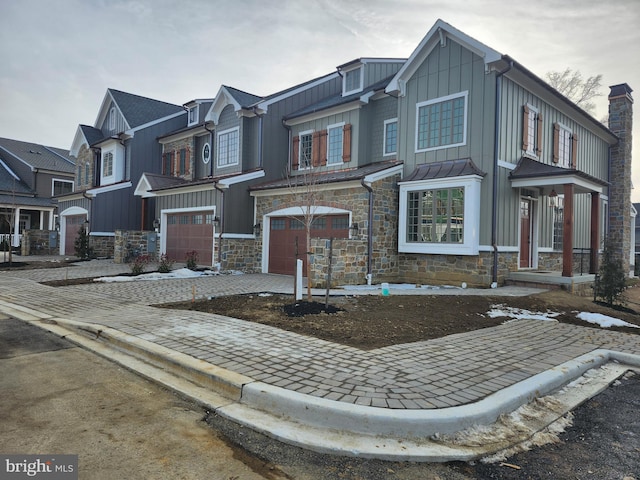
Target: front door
x,y
525,233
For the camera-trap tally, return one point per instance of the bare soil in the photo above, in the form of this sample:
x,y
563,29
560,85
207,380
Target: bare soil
x,y
370,321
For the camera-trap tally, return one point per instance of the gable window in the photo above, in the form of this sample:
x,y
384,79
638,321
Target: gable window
x,y
112,118
565,146
193,115
441,122
335,143
532,131
206,153
107,164
390,141
62,187
228,147
352,81
440,216
305,150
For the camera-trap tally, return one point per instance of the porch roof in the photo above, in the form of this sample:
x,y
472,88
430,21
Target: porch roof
x,y
25,201
530,173
446,169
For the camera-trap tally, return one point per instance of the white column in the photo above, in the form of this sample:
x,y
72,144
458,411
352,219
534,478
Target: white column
x,y
16,228
41,219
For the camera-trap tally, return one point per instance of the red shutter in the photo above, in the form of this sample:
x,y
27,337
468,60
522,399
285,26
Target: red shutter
x,y
556,143
346,143
574,150
323,147
315,149
539,135
525,128
295,153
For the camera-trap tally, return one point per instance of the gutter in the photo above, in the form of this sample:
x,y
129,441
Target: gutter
x,y
494,207
289,148
367,186
221,190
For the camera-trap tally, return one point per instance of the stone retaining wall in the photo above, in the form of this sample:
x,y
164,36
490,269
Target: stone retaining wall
x,y
127,242
38,242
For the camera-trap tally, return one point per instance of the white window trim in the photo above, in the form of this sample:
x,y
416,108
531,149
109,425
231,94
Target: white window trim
x,y
196,110
113,165
61,180
465,95
220,134
332,127
359,88
384,137
532,143
471,235
300,164
567,161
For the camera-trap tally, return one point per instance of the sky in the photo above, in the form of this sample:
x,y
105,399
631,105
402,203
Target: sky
x,y
58,58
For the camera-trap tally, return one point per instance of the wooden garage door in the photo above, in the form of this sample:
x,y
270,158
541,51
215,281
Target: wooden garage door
x,y
287,237
72,226
187,231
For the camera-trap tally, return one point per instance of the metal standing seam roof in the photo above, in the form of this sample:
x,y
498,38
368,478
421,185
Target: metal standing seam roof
x,y
446,169
529,168
139,110
38,156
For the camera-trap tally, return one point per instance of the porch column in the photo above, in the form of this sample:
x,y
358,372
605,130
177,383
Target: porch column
x,y
595,232
16,228
567,232
41,219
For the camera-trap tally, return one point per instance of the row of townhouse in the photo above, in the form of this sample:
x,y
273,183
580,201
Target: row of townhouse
x,y
455,165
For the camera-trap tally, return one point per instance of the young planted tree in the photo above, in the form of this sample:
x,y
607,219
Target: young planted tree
x,y
81,244
612,279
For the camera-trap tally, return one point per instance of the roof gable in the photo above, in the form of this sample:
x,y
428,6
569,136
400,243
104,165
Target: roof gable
x,y
230,96
439,34
85,135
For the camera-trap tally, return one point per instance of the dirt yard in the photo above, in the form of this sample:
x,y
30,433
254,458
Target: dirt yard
x,y
369,322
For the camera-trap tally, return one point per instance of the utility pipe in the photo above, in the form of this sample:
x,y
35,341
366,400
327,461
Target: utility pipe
x,y
369,228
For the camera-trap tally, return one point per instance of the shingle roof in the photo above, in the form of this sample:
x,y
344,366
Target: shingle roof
x,y
445,169
243,98
327,177
139,110
159,182
92,134
529,168
26,201
38,156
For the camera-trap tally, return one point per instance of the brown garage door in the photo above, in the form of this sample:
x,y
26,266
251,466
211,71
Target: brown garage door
x,y
73,225
287,236
187,231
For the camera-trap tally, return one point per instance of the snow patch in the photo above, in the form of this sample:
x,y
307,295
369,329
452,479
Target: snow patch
x,y
520,313
604,321
179,273
400,286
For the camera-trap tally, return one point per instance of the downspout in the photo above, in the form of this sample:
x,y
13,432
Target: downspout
x,y
210,150
289,142
494,208
90,209
369,229
221,216
260,149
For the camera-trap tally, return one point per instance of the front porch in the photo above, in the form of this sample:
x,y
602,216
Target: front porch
x,y
581,284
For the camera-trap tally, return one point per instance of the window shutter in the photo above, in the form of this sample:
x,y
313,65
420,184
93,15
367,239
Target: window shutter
x,y
182,168
188,160
539,135
556,143
346,143
525,128
295,153
323,147
574,150
315,149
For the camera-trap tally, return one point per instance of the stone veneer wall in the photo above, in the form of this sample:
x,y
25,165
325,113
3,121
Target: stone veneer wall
x,y
125,239
239,254
189,145
36,242
103,245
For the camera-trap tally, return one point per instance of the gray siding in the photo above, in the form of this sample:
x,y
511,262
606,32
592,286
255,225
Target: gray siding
x,y
187,200
120,124
377,112
202,170
228,119
374,72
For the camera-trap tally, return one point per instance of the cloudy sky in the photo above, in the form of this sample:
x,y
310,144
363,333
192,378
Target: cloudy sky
x,y
58,58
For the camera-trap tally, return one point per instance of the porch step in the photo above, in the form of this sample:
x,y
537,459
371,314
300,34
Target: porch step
x,y
581,285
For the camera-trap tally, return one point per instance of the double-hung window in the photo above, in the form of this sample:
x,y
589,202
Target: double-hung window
x,y
228,147
107,164
532,131
390,143
61,187
565,146
305,150
441,123
335,136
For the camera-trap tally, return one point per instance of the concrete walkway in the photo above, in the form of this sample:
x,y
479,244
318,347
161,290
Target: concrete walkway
x,y
315,393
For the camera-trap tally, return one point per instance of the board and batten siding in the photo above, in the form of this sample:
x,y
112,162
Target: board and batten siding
x,y
228,119
371,144
376,71
120,124
201,198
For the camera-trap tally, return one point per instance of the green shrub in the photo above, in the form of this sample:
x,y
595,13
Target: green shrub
x,y
612,279
166,264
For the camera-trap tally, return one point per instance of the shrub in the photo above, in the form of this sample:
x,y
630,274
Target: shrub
x,y
138,264
612,281
82,247
166,264
192,259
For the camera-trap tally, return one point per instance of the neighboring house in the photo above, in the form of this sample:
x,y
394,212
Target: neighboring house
x,y
111,158
31,175
500,172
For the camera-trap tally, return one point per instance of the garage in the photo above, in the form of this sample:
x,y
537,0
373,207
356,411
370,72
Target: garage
x,y
287,236
189,231
73,224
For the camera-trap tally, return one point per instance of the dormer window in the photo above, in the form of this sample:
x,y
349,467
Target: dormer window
x,y
193,115
352,81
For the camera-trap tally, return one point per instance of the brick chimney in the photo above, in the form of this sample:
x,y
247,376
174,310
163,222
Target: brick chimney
x,y
620,221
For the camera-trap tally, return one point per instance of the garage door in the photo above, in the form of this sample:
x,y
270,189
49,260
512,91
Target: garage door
x,y
287,236
187,231
72,226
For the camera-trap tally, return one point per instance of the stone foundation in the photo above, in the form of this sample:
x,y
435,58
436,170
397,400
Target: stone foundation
x,y
103,246
239,254
40,242
126,242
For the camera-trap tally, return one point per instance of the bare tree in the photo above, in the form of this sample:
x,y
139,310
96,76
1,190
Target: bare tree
x,y
580,91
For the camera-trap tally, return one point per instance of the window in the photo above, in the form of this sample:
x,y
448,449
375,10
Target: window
x,y
107,164
339,223
183,161
436,216
334,143
390,143
441,122
319,223
112,118
167,163
206,153
532,131
558,222
278,224
352,81
565,146
62,187
193,115
171,220
184,219
197,219
86,173
304,155
209,218
228,147
295,224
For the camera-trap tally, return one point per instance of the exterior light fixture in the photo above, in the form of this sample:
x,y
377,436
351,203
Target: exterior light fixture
x,y
354,228
156,225
256,229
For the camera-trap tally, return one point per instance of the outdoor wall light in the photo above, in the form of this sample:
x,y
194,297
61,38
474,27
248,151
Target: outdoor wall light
x,y
156,224
354,228
57,226
256,229
216,222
